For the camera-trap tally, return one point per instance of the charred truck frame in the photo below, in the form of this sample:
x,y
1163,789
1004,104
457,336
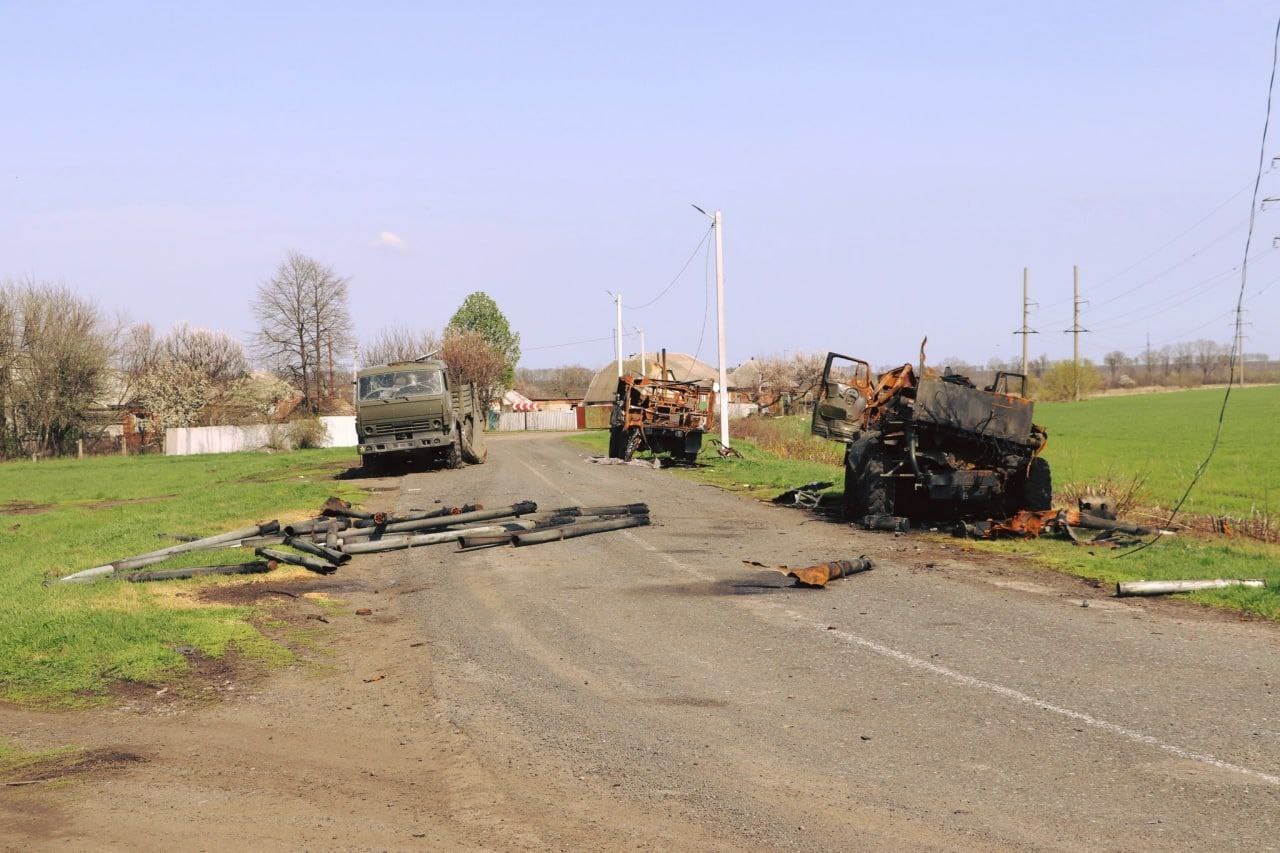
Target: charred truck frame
x,y
662,415
932,447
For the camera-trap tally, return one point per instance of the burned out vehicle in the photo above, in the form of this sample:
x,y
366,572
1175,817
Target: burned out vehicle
x,y
407,411
932,446
660,415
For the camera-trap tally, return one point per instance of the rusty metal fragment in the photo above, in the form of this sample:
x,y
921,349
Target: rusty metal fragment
x,y
821,574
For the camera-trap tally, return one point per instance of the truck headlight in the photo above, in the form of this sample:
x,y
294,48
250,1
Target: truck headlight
x,y
368,430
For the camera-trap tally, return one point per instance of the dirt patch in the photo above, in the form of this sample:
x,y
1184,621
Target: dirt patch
x,y
714,588
61,766
126,502
23,508
283,589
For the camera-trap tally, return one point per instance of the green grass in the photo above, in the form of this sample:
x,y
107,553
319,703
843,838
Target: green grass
x,y
66,644
1164,437
1181,558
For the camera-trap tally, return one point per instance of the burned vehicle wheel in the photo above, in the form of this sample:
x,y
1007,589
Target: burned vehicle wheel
x,y
872,490
469,452
631,444
1039,490
372,464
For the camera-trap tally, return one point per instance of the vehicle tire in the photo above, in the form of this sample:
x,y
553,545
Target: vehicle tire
x,y
634,438
371,463
873,493
856,458
617,442
453,457
469,452
1039,488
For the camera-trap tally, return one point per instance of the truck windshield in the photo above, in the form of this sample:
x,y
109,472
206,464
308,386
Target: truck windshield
x,y
401,383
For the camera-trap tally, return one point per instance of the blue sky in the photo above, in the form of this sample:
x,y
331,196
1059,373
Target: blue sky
x,y
885,170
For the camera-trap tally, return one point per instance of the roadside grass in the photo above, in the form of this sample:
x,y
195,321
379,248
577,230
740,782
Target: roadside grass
x,y
1163,437
763,475
67,644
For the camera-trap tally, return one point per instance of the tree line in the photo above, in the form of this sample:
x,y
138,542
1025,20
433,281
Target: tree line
x,y
68,369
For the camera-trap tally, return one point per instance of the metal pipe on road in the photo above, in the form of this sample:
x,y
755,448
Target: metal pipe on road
x,y
1125,588
333,555
535,537
522,508
323,567
221,540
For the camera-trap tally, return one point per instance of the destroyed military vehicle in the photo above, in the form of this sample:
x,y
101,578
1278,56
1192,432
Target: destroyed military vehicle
x,y
926,446
659,415
407,411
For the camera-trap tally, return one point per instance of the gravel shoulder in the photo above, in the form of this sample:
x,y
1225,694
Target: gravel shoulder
x,y
647,689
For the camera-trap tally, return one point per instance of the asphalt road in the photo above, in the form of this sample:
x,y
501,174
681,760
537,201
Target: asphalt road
x,y
650,689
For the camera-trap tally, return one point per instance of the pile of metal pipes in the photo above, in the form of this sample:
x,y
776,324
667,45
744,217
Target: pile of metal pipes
x,y
325,543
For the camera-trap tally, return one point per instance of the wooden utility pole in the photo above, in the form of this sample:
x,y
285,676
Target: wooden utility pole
x,y
1025,330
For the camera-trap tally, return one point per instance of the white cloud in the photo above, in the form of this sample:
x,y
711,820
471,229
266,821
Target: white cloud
x,y
388,240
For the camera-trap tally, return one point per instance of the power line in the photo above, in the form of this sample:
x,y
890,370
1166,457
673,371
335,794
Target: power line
x,y
706,309
672,284
574,343
1244,278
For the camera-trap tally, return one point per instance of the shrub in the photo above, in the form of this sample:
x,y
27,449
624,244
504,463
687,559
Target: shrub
x,y
307,433
1062,379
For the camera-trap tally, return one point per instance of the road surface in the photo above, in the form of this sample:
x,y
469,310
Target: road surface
x,y
646,689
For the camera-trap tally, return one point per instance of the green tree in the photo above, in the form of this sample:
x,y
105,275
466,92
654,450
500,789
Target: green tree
x,y
480,314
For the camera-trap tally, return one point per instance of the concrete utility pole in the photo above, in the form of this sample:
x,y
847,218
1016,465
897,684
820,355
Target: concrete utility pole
x,y
1025,330
718,224
617,300
1075,329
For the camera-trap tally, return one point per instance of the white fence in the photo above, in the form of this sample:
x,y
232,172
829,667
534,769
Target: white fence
x,y
516,421
340,431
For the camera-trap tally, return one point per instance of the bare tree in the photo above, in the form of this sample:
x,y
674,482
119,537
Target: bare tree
x,y
215,355
399,343
1184,356
58,363
1210,355
303,322
567,382
471,358
1115,360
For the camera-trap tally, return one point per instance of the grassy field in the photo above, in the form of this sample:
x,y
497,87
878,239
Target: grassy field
x,y
1163,437
1160,437
66,644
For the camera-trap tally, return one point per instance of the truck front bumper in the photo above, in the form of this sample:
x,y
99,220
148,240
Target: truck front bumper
x,y
420,441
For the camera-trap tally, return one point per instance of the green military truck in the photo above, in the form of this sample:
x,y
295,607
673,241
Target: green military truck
x,y
406,411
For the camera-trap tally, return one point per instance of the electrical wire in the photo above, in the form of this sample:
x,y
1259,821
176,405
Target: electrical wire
x,y
1244,279
706,309
577,343
672,284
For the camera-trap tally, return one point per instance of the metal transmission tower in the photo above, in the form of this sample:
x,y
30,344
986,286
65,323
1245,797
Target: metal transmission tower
x,y
1025,330
1076,330
1237,345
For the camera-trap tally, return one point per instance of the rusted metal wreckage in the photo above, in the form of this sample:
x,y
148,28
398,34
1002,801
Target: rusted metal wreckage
x,y
929,446
661,415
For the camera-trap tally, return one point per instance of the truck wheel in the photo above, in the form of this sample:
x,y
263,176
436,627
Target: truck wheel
x,y
872,488
370,463
453,458
469,452
633,439
1039,489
